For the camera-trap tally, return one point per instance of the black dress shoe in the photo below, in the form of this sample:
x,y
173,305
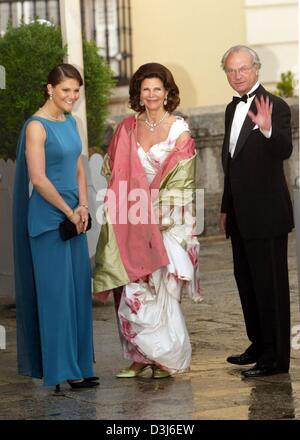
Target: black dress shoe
x,y
241,359
258,371
91,379
82,384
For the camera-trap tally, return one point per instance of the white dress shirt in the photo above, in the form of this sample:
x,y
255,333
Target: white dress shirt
x,y
240,114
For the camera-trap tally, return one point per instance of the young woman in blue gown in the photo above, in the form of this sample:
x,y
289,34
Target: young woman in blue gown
x,y
53,280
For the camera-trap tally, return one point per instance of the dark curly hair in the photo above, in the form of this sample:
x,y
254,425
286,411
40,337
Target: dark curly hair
x,y
59,73
153,70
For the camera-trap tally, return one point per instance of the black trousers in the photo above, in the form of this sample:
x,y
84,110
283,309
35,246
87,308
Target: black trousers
x,y
261,274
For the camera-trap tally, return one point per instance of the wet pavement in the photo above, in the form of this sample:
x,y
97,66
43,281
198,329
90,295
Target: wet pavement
x,y
213,390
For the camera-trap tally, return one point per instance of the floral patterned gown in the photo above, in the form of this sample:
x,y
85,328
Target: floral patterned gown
x,y
151,322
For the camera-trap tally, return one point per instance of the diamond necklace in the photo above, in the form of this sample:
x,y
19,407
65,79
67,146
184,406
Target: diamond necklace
x,y
153,125
62,118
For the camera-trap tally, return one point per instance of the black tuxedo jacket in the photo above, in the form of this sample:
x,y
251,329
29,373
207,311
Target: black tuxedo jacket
x,y
254,185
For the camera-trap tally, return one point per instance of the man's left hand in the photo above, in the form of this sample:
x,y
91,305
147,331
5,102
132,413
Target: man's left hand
x,y
263,117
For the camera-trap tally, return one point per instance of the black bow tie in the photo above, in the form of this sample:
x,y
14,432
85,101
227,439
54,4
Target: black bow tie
x,y
244,98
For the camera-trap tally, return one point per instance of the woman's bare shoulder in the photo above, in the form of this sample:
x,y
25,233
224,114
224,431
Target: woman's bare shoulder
x,y
35,128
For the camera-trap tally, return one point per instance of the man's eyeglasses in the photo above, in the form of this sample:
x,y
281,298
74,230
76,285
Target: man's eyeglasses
x,y
242,70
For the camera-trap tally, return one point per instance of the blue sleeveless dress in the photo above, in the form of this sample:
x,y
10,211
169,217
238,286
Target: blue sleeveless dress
x,y
53,278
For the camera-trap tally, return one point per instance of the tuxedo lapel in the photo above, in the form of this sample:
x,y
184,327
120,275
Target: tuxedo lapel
x,y
248,125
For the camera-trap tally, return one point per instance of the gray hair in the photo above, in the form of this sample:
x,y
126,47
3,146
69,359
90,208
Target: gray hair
x,y
255,58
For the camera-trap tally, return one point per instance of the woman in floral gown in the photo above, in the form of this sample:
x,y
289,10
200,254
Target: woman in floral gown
x,y
147,251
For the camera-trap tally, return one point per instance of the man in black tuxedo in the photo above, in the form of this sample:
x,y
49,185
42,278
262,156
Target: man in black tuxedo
x,y
257,211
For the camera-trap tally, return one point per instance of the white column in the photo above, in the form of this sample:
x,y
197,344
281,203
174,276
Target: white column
x,y
70,17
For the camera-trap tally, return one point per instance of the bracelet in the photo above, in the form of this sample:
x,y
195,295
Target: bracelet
x,y
84,206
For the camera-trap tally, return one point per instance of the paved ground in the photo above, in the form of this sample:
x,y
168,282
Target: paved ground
x,y
213,389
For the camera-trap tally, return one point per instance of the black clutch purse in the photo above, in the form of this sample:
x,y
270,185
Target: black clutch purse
x,y
68,230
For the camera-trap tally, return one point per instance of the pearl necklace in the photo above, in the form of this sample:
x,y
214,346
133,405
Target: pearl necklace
x,y
61,119
153,125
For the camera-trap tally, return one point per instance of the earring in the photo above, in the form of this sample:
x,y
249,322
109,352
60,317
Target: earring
x,y
166,100
142,104
50,96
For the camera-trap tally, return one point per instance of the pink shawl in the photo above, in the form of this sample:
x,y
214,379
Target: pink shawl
x,y
140,245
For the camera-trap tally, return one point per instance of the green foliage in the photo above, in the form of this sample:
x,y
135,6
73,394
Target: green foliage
x,y
98,85
285,87
28,53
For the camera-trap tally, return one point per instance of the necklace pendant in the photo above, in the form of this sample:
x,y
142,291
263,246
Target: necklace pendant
x,y
153,125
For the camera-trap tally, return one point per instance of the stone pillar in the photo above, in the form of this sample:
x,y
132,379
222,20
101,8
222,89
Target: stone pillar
x,y
70,16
